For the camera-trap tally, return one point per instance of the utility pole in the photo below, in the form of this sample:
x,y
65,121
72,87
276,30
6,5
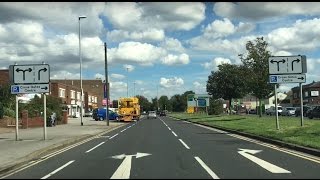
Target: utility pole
x,y
107,82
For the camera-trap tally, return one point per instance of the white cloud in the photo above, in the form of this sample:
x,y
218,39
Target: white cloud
x,y
144,35
139,82
171,82
64,75
159,15
213,65
128,67
117,76
175,60
118,87
135,52
199,87
172,44
262,10
219,28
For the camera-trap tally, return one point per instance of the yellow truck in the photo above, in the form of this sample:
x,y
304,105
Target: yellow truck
x,y
128,109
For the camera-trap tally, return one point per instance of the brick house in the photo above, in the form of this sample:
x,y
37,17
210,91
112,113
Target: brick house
x,y
310,94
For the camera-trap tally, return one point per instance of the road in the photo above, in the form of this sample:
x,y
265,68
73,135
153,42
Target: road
x,y
164,148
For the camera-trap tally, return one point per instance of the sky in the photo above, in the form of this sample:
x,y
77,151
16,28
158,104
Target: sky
x,y
156,48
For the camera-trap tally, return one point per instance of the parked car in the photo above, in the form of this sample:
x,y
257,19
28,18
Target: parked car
x,y
288,111
87,114
252,111
100,114
314,112
152,114
163,113
305,109
272,110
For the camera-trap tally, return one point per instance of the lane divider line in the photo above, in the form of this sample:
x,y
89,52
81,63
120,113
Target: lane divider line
x,y
169,128
205,167
95,147
123,130
185,145
55,171
174,134
114,136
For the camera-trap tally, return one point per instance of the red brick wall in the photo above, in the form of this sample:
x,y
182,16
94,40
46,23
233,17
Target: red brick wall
x,y
4,76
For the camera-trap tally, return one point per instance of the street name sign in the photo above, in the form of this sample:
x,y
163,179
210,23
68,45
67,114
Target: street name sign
x,y
29,89
287,78
287,64
30,74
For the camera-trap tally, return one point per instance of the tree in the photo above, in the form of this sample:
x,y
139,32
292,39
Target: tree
x,y
6,98
154,104
176,103
256,64
164,103
144,103
227,83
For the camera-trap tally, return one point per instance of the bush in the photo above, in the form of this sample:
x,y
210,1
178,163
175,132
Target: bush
x,y
216,107
1,111
9,112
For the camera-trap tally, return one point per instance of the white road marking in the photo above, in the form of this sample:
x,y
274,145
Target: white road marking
x,y
169,128
278,148
185,145
114,136
123,130
264,164
174,133
95,147
55,171
209,171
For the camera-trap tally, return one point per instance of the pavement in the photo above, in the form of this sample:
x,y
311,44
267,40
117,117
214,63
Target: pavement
x,y
31,144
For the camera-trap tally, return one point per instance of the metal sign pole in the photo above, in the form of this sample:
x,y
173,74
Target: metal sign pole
x,y
44,116
17,118
301,103
276,105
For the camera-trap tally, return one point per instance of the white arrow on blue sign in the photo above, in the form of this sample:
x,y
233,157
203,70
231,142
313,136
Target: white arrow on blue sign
x,y
288,78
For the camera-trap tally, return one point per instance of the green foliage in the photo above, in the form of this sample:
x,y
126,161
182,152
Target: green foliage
x,y
228,82
164,103
176,103
1,111
6,98
145,105
215,107
257,68
9,112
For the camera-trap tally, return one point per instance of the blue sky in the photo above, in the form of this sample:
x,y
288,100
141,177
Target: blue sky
x,y
170,47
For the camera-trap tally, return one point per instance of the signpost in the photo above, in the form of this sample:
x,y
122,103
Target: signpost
x,y
287,69
30,79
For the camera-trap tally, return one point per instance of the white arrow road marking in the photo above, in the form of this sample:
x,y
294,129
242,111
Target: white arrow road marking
x,y
185,145
264,164
55,171
123,171
94,147
209,171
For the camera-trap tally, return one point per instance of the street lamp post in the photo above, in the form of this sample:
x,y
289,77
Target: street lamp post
x,y
127,81
81,110
134,89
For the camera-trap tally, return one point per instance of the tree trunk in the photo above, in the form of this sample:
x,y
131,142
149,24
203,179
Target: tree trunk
x,y
260,107
230,106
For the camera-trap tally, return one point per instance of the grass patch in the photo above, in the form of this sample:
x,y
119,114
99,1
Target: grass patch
x,y
290,128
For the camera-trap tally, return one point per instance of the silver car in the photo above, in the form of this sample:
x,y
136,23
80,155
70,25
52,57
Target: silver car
x,y
288,111
152,114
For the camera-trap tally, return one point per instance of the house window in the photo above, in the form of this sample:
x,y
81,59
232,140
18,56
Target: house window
x,y
73,94
314,93
62,92
295,95
306,94
95,99
78,95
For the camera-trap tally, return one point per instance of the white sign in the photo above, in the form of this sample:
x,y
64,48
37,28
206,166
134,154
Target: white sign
x,y
314,93
292,78
287,64
29,89
31,74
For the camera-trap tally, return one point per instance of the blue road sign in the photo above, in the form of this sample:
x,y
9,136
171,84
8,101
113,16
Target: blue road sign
x,y
202,103
14,89
273,79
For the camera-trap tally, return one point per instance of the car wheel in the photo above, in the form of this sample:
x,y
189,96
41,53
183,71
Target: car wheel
x,y
117,118
101,118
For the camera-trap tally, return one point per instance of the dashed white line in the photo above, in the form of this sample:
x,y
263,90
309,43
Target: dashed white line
x,y
55,171
185,145
95,147
169,128
123,130
174,133
209,171
114,136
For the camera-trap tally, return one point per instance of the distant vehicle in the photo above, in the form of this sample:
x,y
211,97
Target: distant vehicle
x,y
87,114
129,109
314,112
162,113
305,109
100,114
152,114
272,110
288,111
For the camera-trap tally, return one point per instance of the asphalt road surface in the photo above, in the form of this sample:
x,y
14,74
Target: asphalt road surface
x,y
164,148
